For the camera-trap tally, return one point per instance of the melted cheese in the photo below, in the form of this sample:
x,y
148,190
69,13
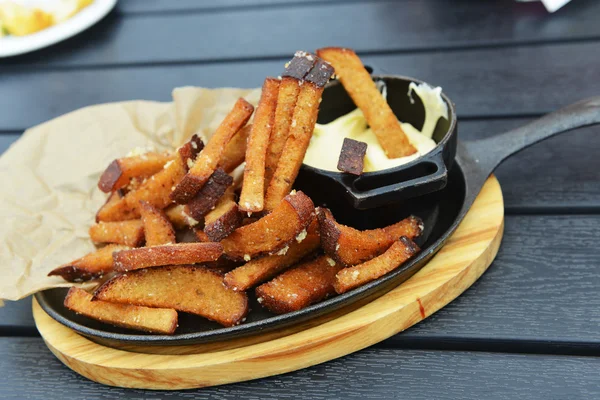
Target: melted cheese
x,y
326,142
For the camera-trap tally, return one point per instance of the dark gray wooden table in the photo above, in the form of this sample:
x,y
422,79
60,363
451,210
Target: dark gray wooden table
x,y
529,328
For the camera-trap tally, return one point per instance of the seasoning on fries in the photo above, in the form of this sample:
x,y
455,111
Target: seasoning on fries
x,y
289,89
191,289
252,198
169,254
350,246
300,286
122,170
146,319
128,233
209,158
272,233
262,269
157,228
353,277
301,130
235,151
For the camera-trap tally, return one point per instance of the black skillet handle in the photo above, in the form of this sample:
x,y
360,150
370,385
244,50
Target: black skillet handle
x,y
488,153
428,175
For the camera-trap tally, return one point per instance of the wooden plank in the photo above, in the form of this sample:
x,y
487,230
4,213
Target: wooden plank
x,y
258,33
29,370
498,82
539,295
540,291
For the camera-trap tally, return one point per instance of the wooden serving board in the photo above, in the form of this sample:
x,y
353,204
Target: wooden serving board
x,y
467,254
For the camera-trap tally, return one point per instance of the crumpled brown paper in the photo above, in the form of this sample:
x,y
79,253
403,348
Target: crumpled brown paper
x,y
49,195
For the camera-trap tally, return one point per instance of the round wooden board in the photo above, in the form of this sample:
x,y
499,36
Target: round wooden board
x,y
467,254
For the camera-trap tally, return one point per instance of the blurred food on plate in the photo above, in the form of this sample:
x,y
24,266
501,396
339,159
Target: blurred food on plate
x,y
24,17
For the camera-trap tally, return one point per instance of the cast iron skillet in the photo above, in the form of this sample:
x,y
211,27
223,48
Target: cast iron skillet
x,y
441,210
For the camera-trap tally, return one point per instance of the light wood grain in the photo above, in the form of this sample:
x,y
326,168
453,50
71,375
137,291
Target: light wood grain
x,y
465,257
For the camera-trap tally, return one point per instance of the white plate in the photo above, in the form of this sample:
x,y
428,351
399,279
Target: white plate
x,y
12,45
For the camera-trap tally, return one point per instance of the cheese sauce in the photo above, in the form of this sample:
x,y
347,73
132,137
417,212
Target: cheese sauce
x,y
326,142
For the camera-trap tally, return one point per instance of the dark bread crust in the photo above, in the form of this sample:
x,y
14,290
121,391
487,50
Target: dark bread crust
x,y
206,199
329,232
210,156
352,156
186,189
91,266
222,227
320,73
190,149
121,171
110,176
71,273
300,65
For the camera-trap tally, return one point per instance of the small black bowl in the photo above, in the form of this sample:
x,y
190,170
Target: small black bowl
x,y
423,175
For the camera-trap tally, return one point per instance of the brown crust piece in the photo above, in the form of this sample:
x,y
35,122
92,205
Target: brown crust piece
x,y
301,130
209,158
206,199
157,228
300,65
352,156
116,209
235,151
120,171
350,246
273,232
191,289
320,73
286,101
363,91
157,189
178,215
189,151
262,269
128,233
398,253
252,198
224,219
91,266
169,254
299,287
146,319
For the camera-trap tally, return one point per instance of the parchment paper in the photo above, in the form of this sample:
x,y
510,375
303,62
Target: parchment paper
x,y
48,192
